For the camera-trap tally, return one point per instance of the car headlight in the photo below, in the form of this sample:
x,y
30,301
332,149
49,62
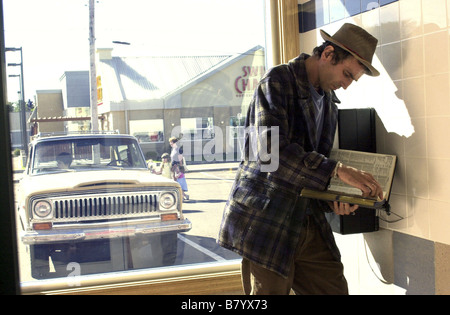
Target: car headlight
x,y
42,209
167,201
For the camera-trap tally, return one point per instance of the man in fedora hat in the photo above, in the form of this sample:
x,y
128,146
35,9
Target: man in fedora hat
x,y
285,241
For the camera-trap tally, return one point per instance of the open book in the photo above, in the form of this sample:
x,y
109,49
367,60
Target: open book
x,y
381,166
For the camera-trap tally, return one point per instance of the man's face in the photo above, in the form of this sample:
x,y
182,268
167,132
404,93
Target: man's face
x,y
333,77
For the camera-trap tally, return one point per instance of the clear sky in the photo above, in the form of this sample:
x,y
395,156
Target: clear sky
x,y
54,33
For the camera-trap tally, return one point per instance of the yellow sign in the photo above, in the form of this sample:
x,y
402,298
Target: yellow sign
x,y
99,91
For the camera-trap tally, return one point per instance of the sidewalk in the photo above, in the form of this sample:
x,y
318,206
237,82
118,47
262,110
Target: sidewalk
x,y
17,169
16,163
217,166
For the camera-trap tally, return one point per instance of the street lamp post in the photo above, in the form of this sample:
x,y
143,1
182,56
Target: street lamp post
x,y
92,68
23,123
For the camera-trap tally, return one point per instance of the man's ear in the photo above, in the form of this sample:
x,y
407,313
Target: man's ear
x,y
328,52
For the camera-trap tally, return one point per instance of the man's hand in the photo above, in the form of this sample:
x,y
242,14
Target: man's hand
x,y
342,208
360,179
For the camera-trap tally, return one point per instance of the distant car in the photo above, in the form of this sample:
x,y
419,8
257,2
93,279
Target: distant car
x,y
80,192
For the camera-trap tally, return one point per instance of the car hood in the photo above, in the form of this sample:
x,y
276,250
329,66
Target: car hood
x,y
87,180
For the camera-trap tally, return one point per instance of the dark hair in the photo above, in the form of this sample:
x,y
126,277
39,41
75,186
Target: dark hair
x,y
339,54
64,157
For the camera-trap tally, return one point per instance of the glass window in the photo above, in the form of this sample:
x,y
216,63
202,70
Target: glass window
x,y
150,130
337,10
237,125
84,153
197,128
87,204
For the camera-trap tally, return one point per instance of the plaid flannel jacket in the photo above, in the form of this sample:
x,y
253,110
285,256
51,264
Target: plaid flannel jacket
x,y
263,216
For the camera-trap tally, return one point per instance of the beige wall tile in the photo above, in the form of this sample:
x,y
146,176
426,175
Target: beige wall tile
x,y
434,15
412,57
370,21
389,23
417,177
394,144
437,95
439,181
392,60
416,144
439,218
436,52
410,18
448,13
438,140
418,220
414,96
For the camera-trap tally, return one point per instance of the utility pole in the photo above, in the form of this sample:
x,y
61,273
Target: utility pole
x,y
23,121
93,72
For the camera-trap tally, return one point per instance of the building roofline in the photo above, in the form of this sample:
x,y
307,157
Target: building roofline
x,y
48,91
213,70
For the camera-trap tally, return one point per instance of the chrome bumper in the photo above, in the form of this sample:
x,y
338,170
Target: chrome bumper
x,y
66,235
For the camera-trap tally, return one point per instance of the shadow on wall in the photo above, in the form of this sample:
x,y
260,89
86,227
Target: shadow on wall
x,y
404,260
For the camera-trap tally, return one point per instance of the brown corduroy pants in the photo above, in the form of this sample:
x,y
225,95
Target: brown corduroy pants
x,y
314,271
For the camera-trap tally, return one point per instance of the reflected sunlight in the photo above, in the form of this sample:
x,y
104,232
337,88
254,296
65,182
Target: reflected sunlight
x,y
379,93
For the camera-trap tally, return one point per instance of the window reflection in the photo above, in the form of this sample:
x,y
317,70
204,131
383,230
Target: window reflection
x,y
88,207
149,130
198,128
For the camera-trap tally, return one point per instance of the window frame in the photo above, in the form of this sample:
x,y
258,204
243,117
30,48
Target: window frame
x,y
10,282
204,278
224,277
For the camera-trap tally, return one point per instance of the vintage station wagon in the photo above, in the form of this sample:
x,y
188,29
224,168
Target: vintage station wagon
x,y
79,193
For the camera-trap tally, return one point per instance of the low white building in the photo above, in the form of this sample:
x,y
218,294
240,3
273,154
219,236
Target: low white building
x,y
154,98
202,98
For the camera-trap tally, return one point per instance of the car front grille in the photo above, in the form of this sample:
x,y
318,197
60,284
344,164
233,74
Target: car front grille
x,y
96,207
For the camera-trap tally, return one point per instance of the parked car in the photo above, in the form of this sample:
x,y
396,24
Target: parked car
x,y
81,193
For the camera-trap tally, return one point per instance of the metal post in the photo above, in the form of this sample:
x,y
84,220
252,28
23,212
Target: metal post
x,y
23,118
23,121
93,73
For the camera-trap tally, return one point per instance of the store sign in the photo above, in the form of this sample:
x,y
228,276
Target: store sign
x,y
247,82
99,91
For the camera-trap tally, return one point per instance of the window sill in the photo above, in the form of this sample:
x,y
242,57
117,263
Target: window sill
x,y
199,279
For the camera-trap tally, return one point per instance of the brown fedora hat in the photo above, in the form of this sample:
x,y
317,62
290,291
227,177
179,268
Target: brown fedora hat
x,y
356,41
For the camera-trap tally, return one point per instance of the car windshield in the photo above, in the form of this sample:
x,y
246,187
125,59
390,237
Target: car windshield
x,y
82,154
